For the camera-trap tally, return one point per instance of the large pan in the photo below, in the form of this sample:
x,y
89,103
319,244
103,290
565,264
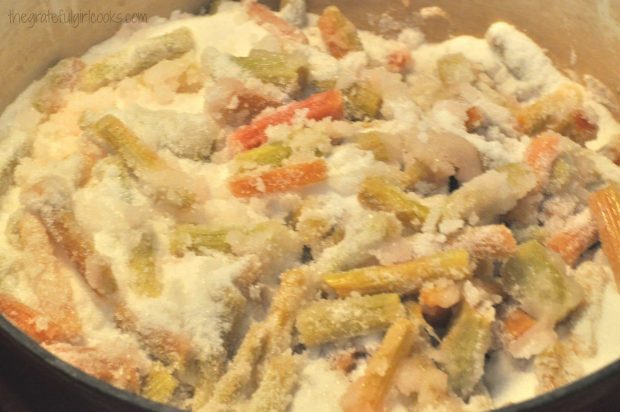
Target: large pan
x,y
582,36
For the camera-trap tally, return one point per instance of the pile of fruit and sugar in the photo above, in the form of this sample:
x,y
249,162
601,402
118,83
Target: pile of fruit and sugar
x,y
252,210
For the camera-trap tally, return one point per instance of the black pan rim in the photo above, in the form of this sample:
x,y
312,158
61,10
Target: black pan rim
x,y
7,329
10,331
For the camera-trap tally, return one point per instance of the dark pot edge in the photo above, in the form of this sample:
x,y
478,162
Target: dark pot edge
x,y
103,389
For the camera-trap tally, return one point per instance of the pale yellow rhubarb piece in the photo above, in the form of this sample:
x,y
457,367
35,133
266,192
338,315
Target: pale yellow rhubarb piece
x,y
239,372
538,280
264,342
550,110
210,370
13,146
278,380
376,194
233,305
159,384
284,309
329,320
143,161
454,69
196,237
55,85
213,366
463,350
338,33
268,154
135,154
130,62
372,142
363,101
562,173
288,71
142,263
401,278
418,172
561,111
